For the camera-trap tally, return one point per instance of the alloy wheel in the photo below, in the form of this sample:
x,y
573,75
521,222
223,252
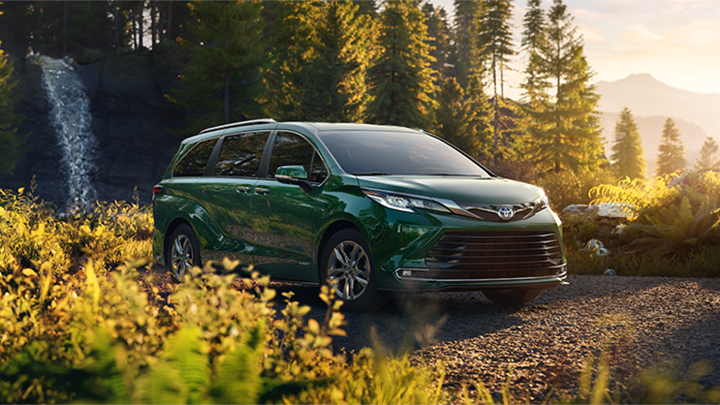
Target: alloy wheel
x,y
181,256
349,270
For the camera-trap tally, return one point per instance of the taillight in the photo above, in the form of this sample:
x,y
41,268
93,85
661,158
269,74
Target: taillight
x,y
157,189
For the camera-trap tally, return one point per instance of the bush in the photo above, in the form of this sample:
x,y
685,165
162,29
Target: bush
x,y
567,187
676,214
32,233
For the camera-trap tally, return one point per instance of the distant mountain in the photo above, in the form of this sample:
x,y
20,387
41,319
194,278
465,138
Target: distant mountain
x,y
651,101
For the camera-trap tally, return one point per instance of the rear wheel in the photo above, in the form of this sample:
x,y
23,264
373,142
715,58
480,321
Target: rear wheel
x,y
347,267
183,252
512,296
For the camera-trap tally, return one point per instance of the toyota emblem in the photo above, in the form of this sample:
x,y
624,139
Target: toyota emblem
x,y
505,213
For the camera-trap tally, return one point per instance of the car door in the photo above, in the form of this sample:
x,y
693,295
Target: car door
x,y
227,189
284,216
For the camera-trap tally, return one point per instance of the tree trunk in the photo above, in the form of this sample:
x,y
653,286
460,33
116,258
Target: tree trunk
x,y
169,21
140,23
227,85
159,22
117,28
153,25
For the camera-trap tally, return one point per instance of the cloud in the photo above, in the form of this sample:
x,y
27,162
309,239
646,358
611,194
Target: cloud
x,y
638,34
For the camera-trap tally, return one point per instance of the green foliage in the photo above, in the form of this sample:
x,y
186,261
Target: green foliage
x,y
292,45
31,233
400,79
567,135
438,38
222,82
453,118
677,214
11,151
709,159
671,152
627,157
568,187
333,82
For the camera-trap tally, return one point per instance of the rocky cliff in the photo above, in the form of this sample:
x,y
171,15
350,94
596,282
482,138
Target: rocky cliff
x,y
130,120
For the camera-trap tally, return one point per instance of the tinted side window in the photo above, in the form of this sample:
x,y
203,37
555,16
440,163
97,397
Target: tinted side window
x,y
194,162
292,149
240,154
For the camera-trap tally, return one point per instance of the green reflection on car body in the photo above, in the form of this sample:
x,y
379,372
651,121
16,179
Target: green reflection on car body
x,y
423,221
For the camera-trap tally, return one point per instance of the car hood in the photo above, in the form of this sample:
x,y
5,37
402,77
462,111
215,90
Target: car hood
x,y
491,190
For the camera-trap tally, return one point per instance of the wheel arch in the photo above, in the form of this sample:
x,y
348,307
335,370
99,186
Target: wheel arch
x,y
168,232
331,230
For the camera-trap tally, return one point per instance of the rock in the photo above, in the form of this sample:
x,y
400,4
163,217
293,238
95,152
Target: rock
x,y
131,119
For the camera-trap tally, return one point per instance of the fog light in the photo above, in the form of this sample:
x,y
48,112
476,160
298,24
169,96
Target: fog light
x,y
407,273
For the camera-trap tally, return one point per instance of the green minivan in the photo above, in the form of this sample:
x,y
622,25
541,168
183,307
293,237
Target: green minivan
x,y
368,209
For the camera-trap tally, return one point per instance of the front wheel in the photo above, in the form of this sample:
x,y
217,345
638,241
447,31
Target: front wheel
x,y
183,252
512,296
347,267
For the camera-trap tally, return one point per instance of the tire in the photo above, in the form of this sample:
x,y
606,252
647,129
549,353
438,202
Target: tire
x,y
346,265
516,296
182,252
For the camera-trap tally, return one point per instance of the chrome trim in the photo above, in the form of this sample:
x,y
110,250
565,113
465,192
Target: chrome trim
x,y
240,124
478,280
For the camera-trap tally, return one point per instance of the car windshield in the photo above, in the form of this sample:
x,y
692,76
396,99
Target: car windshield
x,y
397,153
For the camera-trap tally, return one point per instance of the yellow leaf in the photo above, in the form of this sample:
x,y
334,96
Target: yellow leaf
x,y
29,273
313,326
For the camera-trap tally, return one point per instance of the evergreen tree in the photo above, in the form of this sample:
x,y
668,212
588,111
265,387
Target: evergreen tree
x,y
293,45
627,157
438,37
671,152
708,156
401,79
464,51
11,151
366,7
480,125
453,118
334,79
572,138
536,102
496,48
221,83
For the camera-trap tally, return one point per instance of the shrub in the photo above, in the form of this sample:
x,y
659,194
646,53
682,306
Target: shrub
x,y
677,214
567,187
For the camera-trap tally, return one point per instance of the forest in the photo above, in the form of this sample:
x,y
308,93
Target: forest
x,y
78,308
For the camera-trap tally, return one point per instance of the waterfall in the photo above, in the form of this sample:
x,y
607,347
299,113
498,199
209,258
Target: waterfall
x,y
70,115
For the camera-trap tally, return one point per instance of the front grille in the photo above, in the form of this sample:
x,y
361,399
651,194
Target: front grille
x,y
495,254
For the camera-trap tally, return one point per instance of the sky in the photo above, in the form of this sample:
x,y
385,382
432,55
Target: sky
x,y
676,41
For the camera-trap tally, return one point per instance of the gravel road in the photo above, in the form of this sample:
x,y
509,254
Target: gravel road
x,y
544,342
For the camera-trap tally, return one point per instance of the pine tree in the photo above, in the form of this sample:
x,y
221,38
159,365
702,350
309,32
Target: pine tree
x,y
401,79
294,42
11,151
535,99
438,38
496,47
221,83
334,80
480,122
671,152
627,157
464,50
572,137
453,118
708,156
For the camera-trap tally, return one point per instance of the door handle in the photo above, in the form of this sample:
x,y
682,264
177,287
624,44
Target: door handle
x,y
243,189
262,190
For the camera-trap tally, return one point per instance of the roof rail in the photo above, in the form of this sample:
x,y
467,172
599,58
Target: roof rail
x,y
240,124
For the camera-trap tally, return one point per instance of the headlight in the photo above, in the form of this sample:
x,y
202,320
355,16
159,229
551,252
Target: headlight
x,y
403,202
541,203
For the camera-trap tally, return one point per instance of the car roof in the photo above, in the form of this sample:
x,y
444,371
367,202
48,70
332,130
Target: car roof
x,y
256,125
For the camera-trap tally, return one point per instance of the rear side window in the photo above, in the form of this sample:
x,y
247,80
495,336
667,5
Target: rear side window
x,y
240,155
194,162
292,149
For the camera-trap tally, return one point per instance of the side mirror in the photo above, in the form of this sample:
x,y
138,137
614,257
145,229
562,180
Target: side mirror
x,y
295,175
